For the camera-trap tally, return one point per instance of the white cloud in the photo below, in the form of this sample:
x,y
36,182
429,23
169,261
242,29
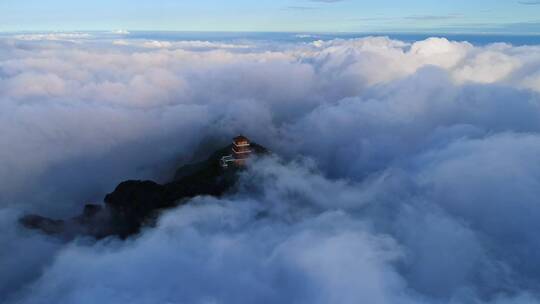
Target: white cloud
x,y
73,37
408,172
120,32
488,67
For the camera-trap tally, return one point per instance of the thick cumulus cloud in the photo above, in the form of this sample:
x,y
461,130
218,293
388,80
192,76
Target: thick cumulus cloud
x,y
406,172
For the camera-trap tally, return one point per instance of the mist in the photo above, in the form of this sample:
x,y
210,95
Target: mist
x,y
402,172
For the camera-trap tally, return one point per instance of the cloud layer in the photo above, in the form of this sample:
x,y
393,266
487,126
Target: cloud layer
x,y
407,173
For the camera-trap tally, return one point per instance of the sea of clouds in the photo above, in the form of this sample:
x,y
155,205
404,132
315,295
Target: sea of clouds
x,y
404,172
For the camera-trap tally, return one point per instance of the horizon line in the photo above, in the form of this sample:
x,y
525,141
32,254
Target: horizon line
x,y
412,32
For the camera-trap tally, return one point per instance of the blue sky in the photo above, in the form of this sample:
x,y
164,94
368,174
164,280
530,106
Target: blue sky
x,y
509,16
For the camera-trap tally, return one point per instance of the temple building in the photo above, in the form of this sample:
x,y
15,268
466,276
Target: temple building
x,y
240,152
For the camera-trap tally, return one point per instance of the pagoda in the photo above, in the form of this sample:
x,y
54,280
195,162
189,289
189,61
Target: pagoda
x,y
240,152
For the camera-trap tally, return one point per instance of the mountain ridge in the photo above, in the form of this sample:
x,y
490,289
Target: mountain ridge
x,y
135,204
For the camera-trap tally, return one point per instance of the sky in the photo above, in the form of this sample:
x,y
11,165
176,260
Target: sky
x,y
480,16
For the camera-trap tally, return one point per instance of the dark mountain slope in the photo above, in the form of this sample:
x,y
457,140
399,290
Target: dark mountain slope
x,y
134,204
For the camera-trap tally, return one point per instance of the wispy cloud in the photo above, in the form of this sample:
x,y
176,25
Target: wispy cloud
x,y
310,8
434,17
529,2
327,1
529,27
301,8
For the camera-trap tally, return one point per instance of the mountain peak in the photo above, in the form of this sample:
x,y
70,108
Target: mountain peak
x,y
135,203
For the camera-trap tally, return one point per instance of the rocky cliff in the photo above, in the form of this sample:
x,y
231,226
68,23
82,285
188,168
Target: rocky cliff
x,y
134,204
